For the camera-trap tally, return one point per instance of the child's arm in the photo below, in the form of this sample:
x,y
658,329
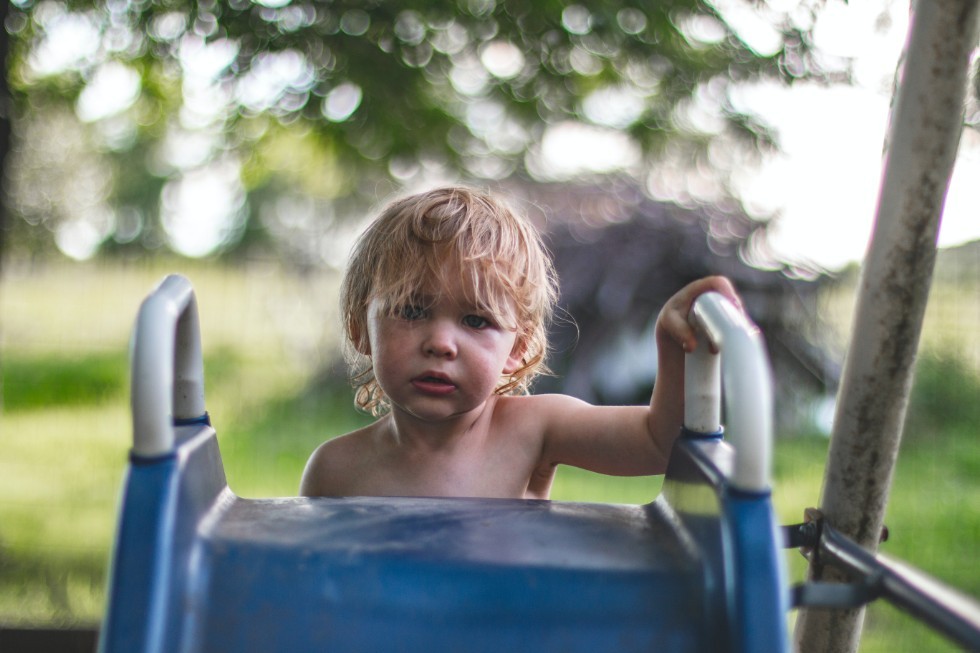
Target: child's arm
x,y
630,440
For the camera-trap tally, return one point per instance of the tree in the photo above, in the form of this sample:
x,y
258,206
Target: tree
x,y
334,98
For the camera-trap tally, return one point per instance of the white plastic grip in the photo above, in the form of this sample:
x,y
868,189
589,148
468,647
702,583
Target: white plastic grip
x,y
742,369
167,366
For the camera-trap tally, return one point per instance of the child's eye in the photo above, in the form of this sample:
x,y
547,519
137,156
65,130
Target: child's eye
x,y
476,322
411,312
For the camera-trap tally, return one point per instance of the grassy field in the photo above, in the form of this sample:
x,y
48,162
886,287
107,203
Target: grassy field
x,y
65,431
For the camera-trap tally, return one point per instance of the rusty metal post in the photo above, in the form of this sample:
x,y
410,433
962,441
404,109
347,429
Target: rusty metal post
x,y
923,136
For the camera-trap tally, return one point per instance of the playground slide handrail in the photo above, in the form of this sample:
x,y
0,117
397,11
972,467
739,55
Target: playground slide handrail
x,y
741,368
167,366
168,378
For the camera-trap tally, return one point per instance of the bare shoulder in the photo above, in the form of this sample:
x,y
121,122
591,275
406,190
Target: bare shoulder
x,y
334,463
541,409
529,410
538,403
537,417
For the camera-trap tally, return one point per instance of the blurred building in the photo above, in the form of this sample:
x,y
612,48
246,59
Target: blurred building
x,y
620,255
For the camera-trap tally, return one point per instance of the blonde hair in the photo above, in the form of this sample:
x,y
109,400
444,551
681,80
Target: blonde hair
x,y
453,230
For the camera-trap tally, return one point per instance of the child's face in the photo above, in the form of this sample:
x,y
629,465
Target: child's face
x,y
441,356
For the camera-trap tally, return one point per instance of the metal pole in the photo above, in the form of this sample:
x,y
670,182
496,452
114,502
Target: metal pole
x,y
923,136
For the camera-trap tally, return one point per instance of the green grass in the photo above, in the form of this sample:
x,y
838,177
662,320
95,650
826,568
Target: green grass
x,y
66,434
57,502
933,519
52,381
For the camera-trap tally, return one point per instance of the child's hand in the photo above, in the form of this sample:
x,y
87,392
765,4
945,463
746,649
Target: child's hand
x,y
672,324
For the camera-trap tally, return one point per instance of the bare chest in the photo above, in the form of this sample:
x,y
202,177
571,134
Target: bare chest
x,y
504,470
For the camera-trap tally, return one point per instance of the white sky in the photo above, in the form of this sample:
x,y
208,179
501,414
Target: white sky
x,y
825,183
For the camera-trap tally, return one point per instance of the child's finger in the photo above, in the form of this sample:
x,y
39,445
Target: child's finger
x,y
717,284
676,314
677,327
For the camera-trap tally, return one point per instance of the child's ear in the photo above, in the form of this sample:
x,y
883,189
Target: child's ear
x,y
516,359
359,339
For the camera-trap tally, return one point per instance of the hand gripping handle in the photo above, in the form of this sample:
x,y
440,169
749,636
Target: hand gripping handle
x,y
167,366
742,368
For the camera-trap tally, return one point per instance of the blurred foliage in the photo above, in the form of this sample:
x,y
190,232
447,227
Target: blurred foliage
x,y
121,106
944,398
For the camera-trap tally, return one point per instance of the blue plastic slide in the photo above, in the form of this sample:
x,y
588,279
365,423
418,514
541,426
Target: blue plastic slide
x,y
197,569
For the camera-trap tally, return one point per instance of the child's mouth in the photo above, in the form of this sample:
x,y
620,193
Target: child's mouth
x,y
434,384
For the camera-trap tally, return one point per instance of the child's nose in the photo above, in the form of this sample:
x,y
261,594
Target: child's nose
x,y
440,340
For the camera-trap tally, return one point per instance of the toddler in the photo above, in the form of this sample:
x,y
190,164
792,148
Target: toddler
x,y
446,304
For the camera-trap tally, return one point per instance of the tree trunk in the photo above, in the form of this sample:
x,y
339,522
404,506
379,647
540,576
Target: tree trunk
x,y
923,136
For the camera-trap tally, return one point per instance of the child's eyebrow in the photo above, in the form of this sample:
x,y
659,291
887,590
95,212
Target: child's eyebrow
x,y
411,298
466,303
501,314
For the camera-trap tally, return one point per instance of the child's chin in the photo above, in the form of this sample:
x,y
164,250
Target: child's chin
x,y
434,411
